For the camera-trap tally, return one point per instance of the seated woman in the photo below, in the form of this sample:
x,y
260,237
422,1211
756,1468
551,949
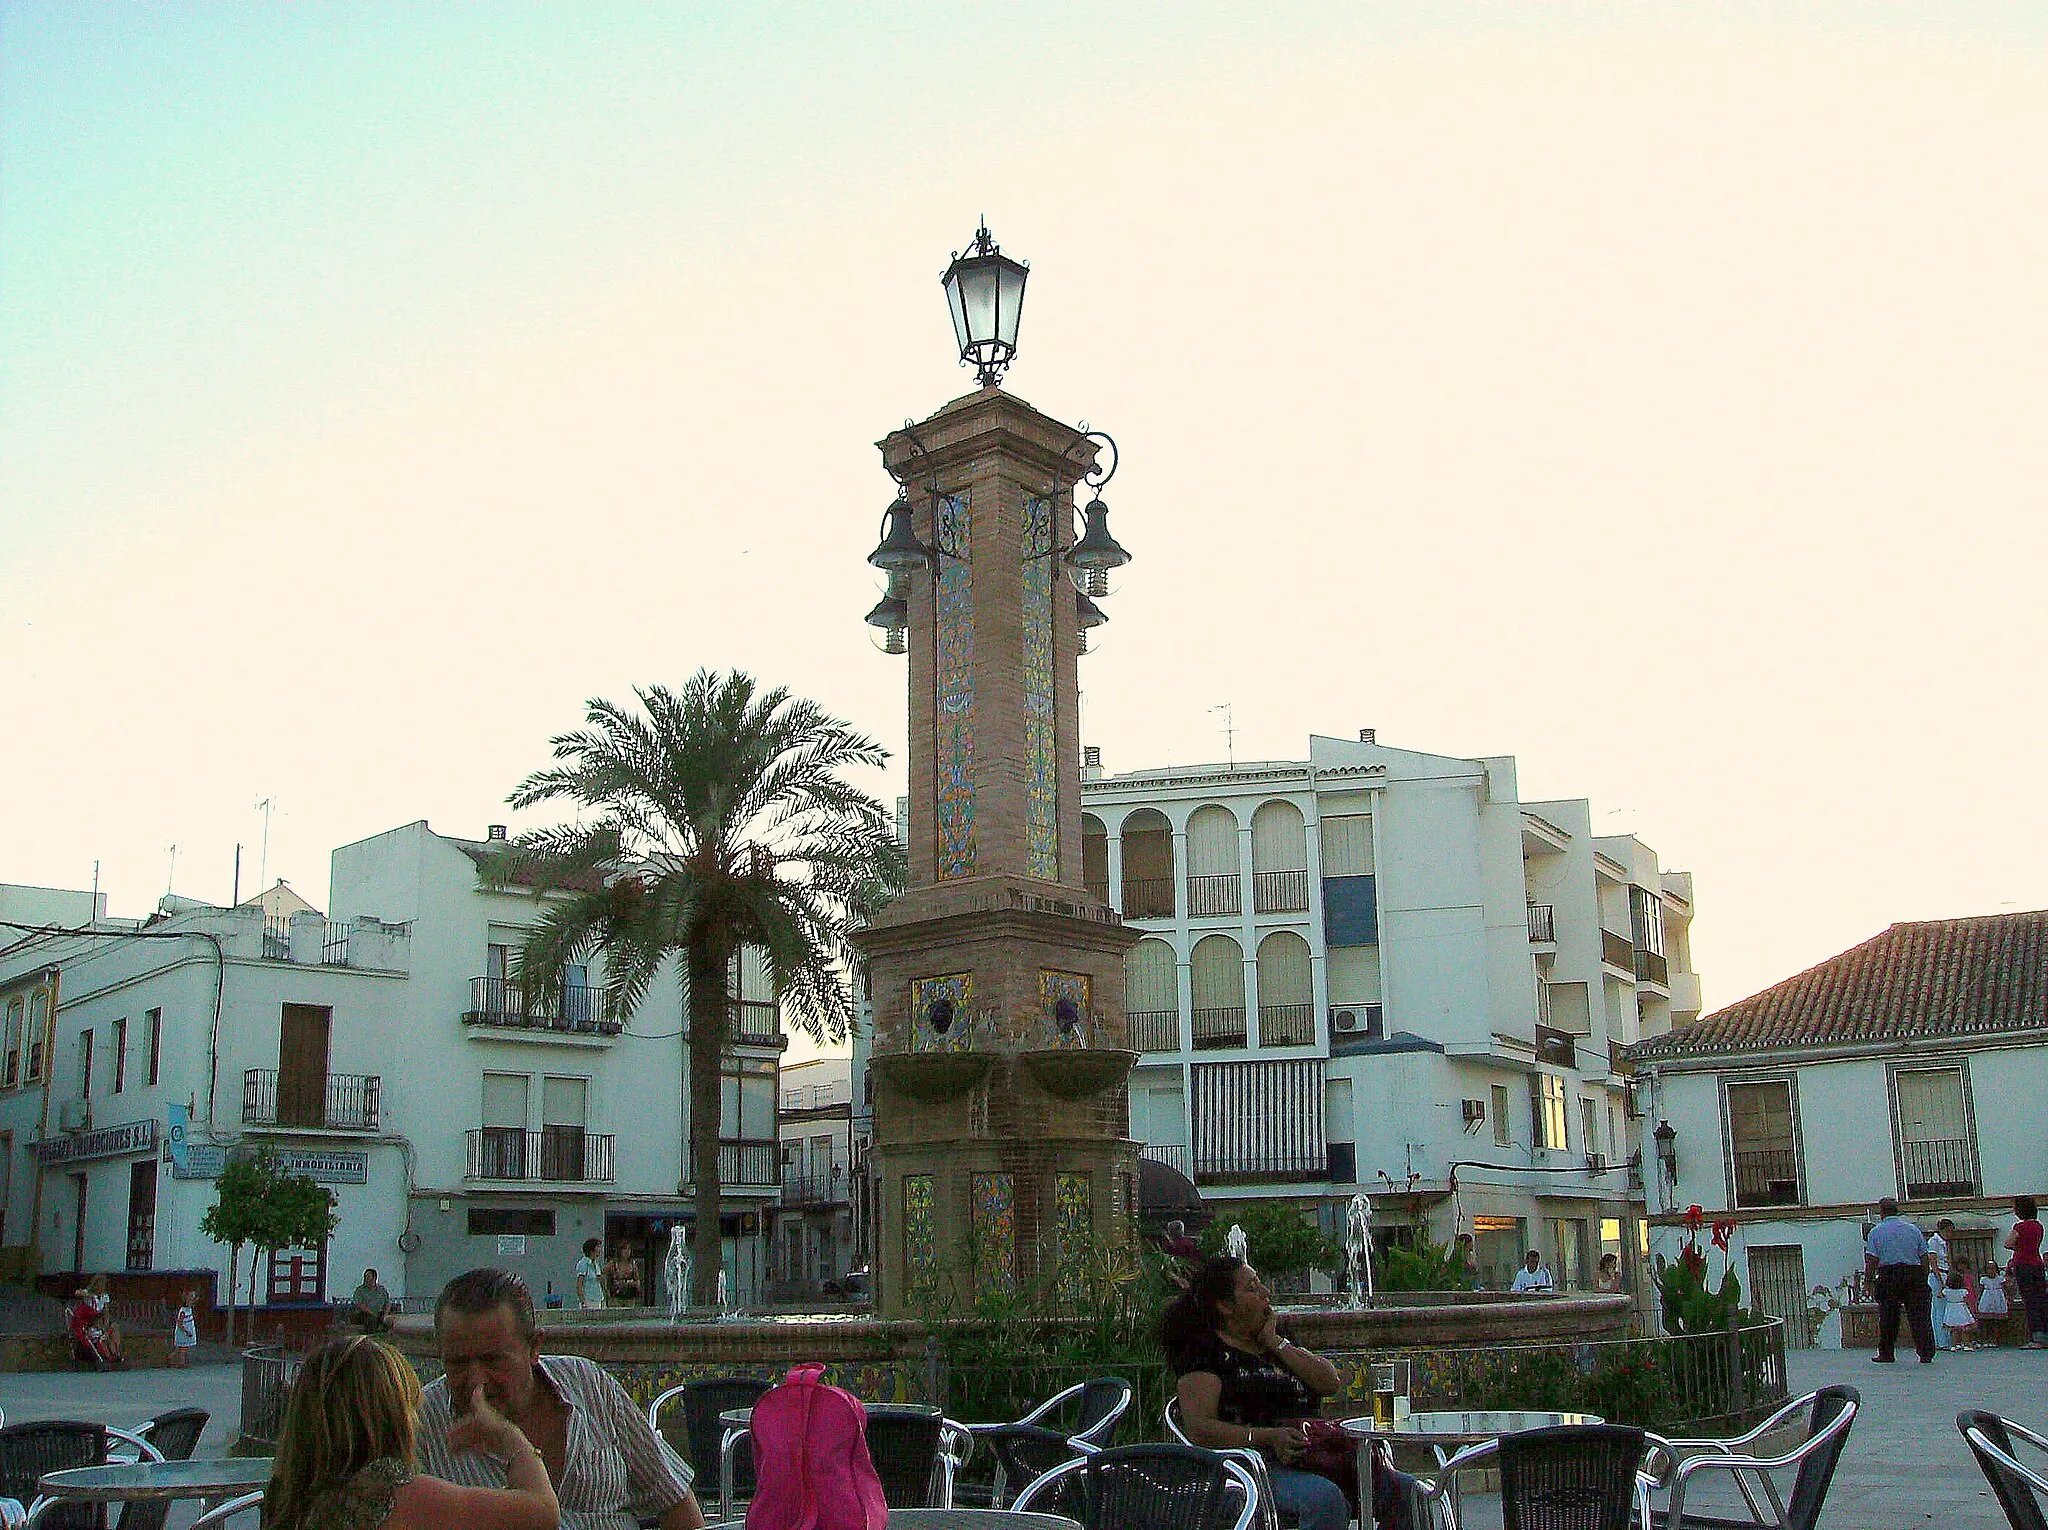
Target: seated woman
x,y
345,1454
1242,1385
94,1341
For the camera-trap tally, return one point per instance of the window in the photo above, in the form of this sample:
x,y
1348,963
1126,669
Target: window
x,y
1936,1153
512,1221
1503,1133
121,1056
1646,920
1762,1146
37,1046
1589,1127
10,1061
1547,1111
85,1063
156,1044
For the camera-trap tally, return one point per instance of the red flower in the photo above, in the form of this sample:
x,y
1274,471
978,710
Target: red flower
x,y
1723,1231
1694,1216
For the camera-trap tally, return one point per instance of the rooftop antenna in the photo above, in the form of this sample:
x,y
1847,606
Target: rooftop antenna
x,y
263,857
95,894
1229,731
171,880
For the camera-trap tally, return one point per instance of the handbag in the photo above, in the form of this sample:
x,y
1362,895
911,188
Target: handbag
x,y
1332,1454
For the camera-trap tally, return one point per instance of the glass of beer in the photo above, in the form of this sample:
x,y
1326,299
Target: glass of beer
x,y
1383,1395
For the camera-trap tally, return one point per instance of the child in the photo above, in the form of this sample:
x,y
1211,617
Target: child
x,y
1991,1303
345,1453
184,1331
1956,1315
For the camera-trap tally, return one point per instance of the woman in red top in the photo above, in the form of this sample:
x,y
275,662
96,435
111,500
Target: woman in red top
x,y
2026,1269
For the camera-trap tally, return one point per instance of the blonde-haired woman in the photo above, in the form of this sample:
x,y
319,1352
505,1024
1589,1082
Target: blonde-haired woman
x,y
345,1454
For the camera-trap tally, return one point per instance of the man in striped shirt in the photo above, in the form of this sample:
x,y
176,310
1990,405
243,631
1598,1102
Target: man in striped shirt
x,y
609,1468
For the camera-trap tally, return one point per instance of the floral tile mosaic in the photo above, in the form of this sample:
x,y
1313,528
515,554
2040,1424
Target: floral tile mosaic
x,y
942,1013
1041,696
995,1232
1064,1008
920,1229
1073,1203
953,714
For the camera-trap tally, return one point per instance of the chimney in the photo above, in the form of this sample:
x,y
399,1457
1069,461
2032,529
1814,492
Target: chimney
x,y
495,831
1091,762
1368,735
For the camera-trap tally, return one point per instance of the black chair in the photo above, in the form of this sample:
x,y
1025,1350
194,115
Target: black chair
x,y
1147,1487
52,1445
175,1435
1029,1447
2017,1487
1831,1412
1570,1477
904,1444
702,1401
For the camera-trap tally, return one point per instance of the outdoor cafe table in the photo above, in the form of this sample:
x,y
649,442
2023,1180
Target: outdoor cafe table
x,y
1446,1433
155,1481
736,1419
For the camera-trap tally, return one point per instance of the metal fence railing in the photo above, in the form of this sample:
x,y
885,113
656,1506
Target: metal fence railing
x,y
268,1371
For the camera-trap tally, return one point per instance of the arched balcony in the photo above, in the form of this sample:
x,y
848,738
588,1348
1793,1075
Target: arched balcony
x,y
1286,991
1279,859
1212,863
1152,996
1217,1013
1148,865
1094,857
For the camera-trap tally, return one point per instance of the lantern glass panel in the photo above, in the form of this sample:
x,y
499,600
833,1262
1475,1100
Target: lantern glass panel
x,y
977,288
960,336
1009,302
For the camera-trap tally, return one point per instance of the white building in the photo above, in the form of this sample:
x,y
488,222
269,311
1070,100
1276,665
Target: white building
x,y
815,1240
384,1050
1378,970
1914,1065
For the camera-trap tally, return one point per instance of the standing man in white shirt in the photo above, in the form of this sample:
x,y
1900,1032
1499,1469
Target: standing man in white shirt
x,y
590,1278
1533,1276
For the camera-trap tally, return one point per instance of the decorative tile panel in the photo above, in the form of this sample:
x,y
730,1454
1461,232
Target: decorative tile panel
x,y
995,1232
1064,1008
953,713
1073,1212
941,1013
920,1230
1041,745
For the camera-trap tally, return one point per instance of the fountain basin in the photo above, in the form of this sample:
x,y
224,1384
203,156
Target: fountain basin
x,y
932,1076
1075,1075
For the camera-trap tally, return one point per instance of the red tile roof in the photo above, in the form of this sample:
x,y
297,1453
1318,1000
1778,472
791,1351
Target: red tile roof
x,y
1945,977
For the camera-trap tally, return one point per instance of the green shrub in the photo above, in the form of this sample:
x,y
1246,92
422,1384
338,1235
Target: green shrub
x,y
1281,1239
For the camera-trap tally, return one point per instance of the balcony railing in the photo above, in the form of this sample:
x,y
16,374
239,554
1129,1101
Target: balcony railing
x,y
554,1154
830,1189
1301,1167
1543,922
814,1097
1155,1030
1219,1027
745,1162
1618,951
1556,1047
1177,1156
1945,1166
1214,895
754,1023
1098,890
1280,892
1287,1025
1766,1177
338,1102
576,1008
1652,968
1148,897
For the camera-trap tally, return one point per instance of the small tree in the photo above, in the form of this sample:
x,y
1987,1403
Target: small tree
x,y
237,1213
1281,1239
297,1213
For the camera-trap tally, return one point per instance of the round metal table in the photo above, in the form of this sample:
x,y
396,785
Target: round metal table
x,y
212,1482
1447,1432
954,1519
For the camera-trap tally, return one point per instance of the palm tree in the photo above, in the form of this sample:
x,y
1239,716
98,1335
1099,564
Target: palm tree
x,y
720,821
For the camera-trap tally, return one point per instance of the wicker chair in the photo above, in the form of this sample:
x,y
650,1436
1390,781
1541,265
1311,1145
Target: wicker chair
x,y
1251,1461
1147,1487
1571,1477
1028,1448
916,1452
52,1445
2018,1488
702,1401
1831,1412
174,1436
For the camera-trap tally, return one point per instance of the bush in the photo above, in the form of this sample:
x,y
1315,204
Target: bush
x,y
1425,1267
1281,1239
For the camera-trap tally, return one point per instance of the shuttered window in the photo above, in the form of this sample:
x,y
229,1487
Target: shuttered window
x,y
1259,1118
1151,983
1212,843
505,1099
1218,974
1347,845
1280,838
1284,970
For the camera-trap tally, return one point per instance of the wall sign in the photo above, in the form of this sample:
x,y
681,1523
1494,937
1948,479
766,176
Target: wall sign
x,y
107,1142
511,1245
326,1166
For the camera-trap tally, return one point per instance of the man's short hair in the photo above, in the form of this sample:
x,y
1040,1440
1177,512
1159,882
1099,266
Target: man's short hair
x,y
1944,1225
477,1292
370,1274
1887,1207
1176,1229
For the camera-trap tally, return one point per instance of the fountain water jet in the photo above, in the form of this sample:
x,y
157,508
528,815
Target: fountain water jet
x,y
675,1270
1358,1251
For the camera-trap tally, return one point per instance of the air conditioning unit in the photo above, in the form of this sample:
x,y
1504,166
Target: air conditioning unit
x,y
1596,1161
74,1115
1475,1110
1362,1020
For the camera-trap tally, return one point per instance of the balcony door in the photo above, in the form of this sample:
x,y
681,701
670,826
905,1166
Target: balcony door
x,y
562,1104
503,1146
302,1064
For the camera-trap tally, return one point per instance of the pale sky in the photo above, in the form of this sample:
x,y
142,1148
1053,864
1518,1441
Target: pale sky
x,y
1646,391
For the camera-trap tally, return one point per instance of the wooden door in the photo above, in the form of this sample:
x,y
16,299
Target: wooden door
x,y
142,1214
302,1065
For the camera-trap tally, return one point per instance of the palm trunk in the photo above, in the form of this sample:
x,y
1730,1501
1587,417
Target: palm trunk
x,y
707,1051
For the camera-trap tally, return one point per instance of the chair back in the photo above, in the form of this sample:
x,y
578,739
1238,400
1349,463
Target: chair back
x,y
1571,1477
2014,1492
1104,1401
703,1401
176,1433
1150,1487
904,1446
1810,1487
52,1445
227,1511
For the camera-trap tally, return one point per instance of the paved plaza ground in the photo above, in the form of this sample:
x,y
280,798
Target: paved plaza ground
x,y
1906,1468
